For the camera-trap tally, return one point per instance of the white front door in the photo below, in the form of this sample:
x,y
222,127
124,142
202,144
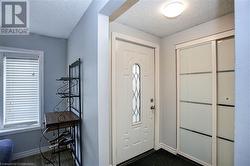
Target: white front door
x,y
134,99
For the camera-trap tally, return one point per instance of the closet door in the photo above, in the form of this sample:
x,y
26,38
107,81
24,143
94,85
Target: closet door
x,y
225,108
195,102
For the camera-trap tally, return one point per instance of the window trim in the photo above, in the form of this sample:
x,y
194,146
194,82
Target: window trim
x,y
40,54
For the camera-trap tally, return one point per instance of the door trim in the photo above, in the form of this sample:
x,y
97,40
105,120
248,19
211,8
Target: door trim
x,y
216,36
117,36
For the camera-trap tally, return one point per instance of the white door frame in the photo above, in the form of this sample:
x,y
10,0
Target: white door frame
x,y
117,36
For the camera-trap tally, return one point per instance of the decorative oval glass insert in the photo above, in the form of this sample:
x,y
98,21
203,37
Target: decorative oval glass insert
x,y
136,94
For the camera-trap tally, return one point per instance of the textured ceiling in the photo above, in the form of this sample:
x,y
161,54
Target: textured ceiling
x,y
145,15
56,18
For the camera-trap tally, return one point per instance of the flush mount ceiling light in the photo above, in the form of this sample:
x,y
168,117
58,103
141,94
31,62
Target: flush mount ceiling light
x,y
173,9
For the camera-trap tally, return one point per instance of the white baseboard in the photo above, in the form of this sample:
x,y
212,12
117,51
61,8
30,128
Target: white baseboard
x,y
194,159
28,153
168,148
163,146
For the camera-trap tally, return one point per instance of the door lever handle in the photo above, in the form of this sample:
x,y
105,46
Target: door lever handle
x,y
152,107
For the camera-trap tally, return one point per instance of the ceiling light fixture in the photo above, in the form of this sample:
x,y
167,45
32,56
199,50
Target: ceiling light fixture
x,y
173,9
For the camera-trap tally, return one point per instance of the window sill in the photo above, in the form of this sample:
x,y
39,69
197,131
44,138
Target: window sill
x,y
4,132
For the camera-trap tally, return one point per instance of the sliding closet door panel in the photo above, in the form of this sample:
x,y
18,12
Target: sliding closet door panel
x,y
195,101
196,145
197,117
196,59
226,88
225,153
225,109
196,88
226,122
225,54
206,80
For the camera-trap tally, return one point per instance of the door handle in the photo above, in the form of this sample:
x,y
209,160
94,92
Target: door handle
x,y
152,107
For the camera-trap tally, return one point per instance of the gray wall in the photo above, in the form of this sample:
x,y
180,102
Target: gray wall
x,y
83,43
242,113
55,50
168,72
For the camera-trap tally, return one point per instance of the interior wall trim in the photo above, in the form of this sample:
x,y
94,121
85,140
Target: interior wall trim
x,y
168,148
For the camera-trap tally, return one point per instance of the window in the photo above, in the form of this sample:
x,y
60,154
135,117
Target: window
x,y
136,94
22,89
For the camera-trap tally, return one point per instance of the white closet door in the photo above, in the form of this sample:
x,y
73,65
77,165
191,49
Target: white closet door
x,y
225,122
206,101
226,88
196,117
192,88
195,102
225,54
196,145
196,59
225,109
225,152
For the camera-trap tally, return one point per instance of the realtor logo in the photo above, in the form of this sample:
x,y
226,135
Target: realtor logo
x,y
14,17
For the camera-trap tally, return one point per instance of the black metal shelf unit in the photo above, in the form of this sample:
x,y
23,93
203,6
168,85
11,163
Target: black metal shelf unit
x,y
67,121
75,107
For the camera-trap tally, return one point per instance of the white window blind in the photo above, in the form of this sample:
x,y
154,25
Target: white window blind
x,y
21,91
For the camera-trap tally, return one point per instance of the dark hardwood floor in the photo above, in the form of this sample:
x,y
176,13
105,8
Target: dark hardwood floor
x,y
37,160
159,158
151,158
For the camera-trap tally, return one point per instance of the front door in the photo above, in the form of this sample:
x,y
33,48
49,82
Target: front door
x,y
134,99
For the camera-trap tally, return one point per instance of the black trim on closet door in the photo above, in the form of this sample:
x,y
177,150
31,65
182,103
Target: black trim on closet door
x,y
225,105
225,139
192,73
195,132
194,102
